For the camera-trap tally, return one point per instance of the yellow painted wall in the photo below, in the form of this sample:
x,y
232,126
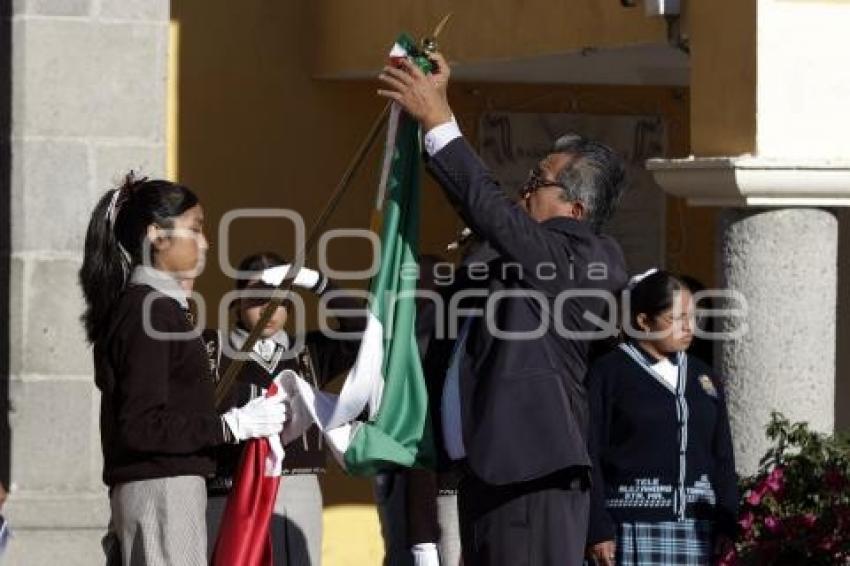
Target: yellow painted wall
x,y
723,76
254,129
351,36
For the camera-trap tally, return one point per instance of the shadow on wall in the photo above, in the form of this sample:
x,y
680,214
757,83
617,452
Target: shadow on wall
x,y
842,362
5,228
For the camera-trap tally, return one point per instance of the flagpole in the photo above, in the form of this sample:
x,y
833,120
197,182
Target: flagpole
x,y
429,44
278,294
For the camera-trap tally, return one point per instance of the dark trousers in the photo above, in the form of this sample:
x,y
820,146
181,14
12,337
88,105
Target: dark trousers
x,y
542,522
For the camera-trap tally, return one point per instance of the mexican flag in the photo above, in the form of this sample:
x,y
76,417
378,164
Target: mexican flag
x,y
386,380
243,535
396,433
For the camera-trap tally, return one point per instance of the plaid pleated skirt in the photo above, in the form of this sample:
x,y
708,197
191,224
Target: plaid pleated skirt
x,y
679,543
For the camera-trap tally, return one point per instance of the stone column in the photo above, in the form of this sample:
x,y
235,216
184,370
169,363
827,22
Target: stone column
x,y
783,261
88,102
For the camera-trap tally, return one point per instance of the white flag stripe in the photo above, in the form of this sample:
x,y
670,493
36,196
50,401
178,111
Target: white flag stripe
x,y
309,406
365,381
398,51
333,414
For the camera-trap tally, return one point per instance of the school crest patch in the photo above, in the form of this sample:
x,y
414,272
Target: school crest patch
x,y
708,385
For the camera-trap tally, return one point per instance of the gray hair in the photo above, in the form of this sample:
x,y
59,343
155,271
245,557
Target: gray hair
x,y
596,178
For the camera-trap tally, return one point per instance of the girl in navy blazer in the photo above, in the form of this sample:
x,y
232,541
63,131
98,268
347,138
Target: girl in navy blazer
x,y
664,486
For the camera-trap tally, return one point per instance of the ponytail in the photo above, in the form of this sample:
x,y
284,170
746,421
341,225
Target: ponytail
x,y
114,240
105,269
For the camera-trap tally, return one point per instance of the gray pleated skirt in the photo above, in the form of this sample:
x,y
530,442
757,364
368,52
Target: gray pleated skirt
x,y
161,522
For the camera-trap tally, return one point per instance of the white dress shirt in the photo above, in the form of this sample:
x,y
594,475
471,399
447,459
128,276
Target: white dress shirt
x,y
450,402
668,371
438,137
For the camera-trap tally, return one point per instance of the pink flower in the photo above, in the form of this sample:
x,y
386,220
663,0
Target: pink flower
x,y
772,524
729,558
775,482
755,496
746,521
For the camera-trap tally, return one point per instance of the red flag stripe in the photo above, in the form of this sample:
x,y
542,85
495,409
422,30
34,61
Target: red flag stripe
x,y
244,538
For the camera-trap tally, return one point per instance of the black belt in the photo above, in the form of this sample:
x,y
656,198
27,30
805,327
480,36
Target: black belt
x,y
219,485
573,478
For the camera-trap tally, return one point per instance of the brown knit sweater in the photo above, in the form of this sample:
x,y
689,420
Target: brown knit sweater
x,y
157,415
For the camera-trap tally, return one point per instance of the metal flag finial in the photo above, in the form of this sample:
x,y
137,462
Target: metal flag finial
x,y
429,43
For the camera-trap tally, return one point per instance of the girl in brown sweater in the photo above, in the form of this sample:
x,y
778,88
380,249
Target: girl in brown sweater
x,y
144,247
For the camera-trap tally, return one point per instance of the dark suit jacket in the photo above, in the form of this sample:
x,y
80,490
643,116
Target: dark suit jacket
x,y
523,400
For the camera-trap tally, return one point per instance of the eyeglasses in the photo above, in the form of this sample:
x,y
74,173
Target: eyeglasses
x,y
693,318
535,182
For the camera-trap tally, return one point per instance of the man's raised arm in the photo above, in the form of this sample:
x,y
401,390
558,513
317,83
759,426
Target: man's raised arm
x,y
467,181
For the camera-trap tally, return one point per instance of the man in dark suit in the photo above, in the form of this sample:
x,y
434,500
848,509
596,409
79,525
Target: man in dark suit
x,y
513,407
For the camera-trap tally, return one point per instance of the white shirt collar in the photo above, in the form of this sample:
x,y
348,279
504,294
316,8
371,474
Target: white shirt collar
x,y
160,281
239,335
668,370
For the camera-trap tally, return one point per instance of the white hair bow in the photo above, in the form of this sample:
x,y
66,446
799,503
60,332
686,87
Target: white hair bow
x,y
640,277
112,211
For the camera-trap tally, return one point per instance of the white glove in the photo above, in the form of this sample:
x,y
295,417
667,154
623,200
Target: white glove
x,y
425,554
259,418
307,278
275,456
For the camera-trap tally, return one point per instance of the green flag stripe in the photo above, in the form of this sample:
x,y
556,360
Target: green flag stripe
x,y
399,433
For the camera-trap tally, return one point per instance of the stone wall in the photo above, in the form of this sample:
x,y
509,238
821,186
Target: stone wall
x,y
88,102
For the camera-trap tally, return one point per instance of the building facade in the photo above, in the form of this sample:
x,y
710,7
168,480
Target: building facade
x,y
740,143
